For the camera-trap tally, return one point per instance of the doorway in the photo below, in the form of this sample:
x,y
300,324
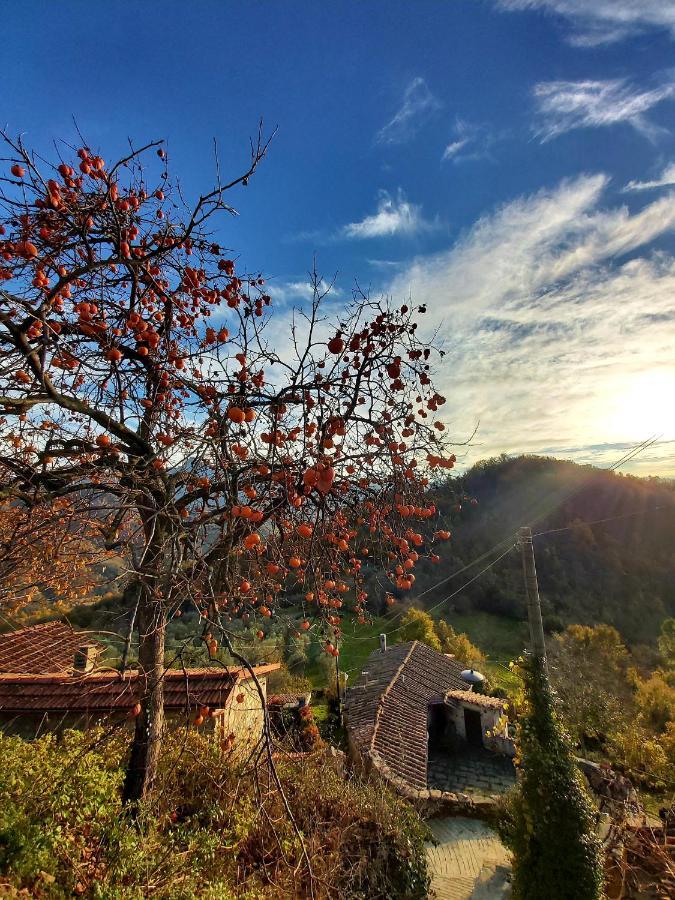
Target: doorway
x,y
473,728
436,725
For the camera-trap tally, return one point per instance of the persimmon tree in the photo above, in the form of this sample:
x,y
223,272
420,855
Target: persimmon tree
x,y
48,552
226,452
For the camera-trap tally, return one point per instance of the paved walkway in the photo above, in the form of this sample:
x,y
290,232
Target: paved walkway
x,y
469,861
475,772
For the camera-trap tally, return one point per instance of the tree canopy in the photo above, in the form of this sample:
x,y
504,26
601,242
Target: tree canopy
x,y
141,383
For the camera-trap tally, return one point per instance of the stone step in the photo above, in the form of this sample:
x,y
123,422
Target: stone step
x,y
455,887
468,862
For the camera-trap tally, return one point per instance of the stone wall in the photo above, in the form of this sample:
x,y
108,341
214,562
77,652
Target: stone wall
x,y
501,744
242,717
429,803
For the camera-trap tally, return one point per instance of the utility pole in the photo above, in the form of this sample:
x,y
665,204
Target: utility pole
x,y
337,679
537,644
338,690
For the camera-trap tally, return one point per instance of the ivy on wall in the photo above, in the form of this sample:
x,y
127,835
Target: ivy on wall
x,y
549,820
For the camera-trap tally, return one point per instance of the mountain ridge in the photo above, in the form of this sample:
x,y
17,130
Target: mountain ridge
x,y
604,543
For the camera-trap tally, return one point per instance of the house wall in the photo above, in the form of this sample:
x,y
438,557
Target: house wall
x,y
30,725
457,713
245,720
489,719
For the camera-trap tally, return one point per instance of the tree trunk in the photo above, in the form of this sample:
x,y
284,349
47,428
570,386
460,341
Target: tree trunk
x,y
147,740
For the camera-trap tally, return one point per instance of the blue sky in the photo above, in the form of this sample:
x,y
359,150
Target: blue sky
x,y
510,162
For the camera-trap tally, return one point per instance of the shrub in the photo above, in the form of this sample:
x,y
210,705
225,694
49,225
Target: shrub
x,y
417,625
310,739
459,645
283,681
641,755
210,834
549,821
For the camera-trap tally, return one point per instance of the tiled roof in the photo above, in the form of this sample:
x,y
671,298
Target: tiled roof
x,y
387,707
287,699
102,692
40,649
476,699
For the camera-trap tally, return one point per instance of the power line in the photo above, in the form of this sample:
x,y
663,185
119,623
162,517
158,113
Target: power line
x,y
627,457
464,586
630,454
438,584
575,524
445,599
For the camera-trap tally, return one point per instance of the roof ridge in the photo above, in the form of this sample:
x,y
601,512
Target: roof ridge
x,y
238,672
37,625
385,693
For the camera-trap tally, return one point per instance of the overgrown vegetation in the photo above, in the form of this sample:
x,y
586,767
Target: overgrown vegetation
x,y
615,708
549,820
208,834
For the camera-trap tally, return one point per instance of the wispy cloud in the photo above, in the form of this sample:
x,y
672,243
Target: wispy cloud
x,y
417,105
454,149
565,105
558,323
289,291
665,179
596,22
470,142
394,216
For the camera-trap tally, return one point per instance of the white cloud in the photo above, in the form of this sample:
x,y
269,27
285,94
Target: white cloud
x,y
558,325
471,142
565,105
665,179
604,21
453,149
417,105
394,216
287,291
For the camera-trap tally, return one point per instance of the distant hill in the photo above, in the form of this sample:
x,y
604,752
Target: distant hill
x,y
621,571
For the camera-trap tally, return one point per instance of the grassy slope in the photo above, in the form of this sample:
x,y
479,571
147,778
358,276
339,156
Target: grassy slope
x,y
500,639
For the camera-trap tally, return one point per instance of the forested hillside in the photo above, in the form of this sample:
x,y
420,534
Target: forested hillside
x,y
620,571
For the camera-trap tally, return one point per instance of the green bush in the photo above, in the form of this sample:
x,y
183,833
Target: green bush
x,y
549,822
214,831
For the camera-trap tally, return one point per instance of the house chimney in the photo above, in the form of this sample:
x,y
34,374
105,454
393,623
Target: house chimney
x,y
85,658
383,643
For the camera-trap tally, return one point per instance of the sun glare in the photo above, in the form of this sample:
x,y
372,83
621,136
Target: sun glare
x,y
644,407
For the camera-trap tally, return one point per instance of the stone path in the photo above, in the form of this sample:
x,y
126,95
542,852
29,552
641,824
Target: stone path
x,y
469,862
473,772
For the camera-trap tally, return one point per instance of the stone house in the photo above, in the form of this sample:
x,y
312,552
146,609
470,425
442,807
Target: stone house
x,y
49,681
410,701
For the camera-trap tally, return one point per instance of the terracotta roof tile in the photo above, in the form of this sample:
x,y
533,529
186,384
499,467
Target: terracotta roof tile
x,y
49,647
103,692
476,699
386,709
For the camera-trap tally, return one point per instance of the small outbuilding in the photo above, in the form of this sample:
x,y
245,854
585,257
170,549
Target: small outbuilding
x,y
410,702
50,680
